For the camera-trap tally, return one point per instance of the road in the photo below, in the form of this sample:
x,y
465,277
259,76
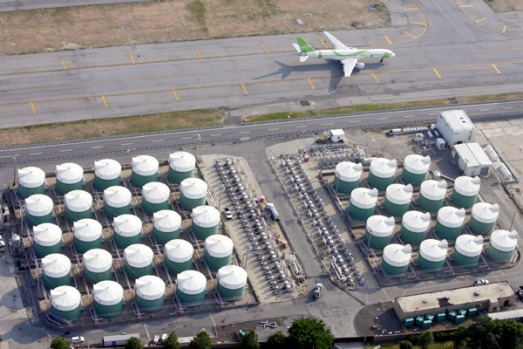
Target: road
x,y
9,5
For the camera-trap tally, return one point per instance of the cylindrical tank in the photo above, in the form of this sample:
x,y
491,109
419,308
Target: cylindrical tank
x,y
178,256
65,303
432,195
218,251
127,230
467,250
150,293
31,180
205,221
138,260
381,172
39,209
56,270
69,176
191,285
397,199
362,203
167,225
47,239
145,170
87,234
181,166
193,192
107,173
117,201
108,298
432,254
450,222
465,191
78,205
98,265
396,259
347,176
483,218
415,169
155,197
232,281
502,245
414,227
379,231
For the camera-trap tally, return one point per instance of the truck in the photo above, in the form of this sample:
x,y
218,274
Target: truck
x,y
118,340
316,291
332,136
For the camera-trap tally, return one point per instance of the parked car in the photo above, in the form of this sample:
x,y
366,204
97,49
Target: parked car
x,y
227,213
481,282
77,340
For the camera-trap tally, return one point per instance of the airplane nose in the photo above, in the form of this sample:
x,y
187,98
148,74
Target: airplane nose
x,y
392,54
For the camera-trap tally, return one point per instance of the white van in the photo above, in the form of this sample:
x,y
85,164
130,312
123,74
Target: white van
x,y
274,213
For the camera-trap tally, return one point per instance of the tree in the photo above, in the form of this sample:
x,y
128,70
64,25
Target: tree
x,y
426,339
310,333
60,343
406,345
277,340
134,343
171,342
250,341
201,341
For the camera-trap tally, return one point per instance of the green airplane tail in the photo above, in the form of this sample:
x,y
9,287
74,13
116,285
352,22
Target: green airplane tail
x,y
304,45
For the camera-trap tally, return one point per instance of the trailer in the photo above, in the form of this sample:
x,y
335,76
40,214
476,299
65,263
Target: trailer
x,y
118,340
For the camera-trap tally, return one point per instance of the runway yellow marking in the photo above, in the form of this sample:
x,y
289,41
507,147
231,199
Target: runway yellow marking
x,y
375,78
410,9
175,94
504,29
33,108
496,68
481,20
437,73
466,6
310,83
325,44
409,34
63,64
264,48
244,89
198,53
419,23
132,58
105,102
388,40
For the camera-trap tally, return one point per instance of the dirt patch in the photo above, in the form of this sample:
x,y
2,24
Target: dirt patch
x,y
505,5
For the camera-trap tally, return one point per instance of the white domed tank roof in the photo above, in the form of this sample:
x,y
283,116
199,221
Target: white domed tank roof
x,y
156,192
167,220
416,164
232,277
205,216
469,245
191,282
149,287
349,171
107,169
467,186
47,234
416,221
127,225
87,229
397,255
138,255
451,217
107,292
145,165
97,260
433,190
433,250
380,226
69,173
31,177
39,205
56,265
219,246
193,188
399,194
383,168
504,240
364,197
117,196
485,213
65,298
178,250
78,200
182,161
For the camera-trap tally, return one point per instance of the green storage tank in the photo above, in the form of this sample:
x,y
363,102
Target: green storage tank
x,y
117,201
56,270
347,176
397,199
127,230
432,254
218,251
415,169
465,191
502,245
472,312
440,317
459,319
167,225
87,235
483,218
31,181
414,227
69,176
181,166
379,231
467,250
449,222
47,239
65,303
193,193
362,203
78,205
232,281
155,197
191,286
178,256
107,173
39,209
432,195
150,293
108,298
396,259
408,322
98,265
145,170
205,221
138,260
381,173
426,324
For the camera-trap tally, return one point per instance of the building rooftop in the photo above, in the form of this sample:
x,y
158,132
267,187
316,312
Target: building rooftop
x,y
457,120
472,154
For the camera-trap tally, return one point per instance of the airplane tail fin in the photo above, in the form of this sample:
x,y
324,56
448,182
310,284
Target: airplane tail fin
x,y
303,58
304,45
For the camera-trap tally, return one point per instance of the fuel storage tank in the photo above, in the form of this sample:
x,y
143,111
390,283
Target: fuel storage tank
x,y
362,203
87,235
150,293
145,170
467,250
381,172
117,201
178,256
347,176
65,303
127,230
78,205
181,166
415,169
108,298
31,180
502,245
138,260
414,227
205,221
232,281
397,199
69,176
465,191
396,259
432,195
218,251
107,173
449,222
98,265
432,254
191,286
167,225
193,193
483,218
47,239
155,197
56,269
379,231
39,209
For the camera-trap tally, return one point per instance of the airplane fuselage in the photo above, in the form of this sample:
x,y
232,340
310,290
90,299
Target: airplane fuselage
x,y
351,53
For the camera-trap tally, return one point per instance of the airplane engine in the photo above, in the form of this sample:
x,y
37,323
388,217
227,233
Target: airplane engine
x,y
360,65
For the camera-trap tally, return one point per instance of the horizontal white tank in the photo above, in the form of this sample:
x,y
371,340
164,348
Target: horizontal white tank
x,y
348,171
469,245
69,173
87,229
232,277
167,220
399,194
78,200
108,292
219,246
397,255
39,205
205,216
178,250
416,164
156,192
364,197
117,196
149,287
127,225
138,255
191,282
380,226
31,177
451,217
65,298
145,165
47,234
383,168
107,169
182,161
434,190
416,221
434,250
97,260
56,265
193,188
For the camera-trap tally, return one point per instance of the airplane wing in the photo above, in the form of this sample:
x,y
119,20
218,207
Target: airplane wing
x,y
338,45
348,65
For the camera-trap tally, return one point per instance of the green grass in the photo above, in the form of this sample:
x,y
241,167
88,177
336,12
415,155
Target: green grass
x,y
197,9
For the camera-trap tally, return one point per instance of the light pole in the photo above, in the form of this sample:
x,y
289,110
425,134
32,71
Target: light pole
x,y
14,168
199,138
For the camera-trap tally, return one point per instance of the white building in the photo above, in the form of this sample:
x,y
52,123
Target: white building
x,y
456,127
471,159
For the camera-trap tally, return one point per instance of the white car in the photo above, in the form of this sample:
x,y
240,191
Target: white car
x,y
481,282
77,340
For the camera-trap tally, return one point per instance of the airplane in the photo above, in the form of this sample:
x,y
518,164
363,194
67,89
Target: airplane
x,y
348,56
